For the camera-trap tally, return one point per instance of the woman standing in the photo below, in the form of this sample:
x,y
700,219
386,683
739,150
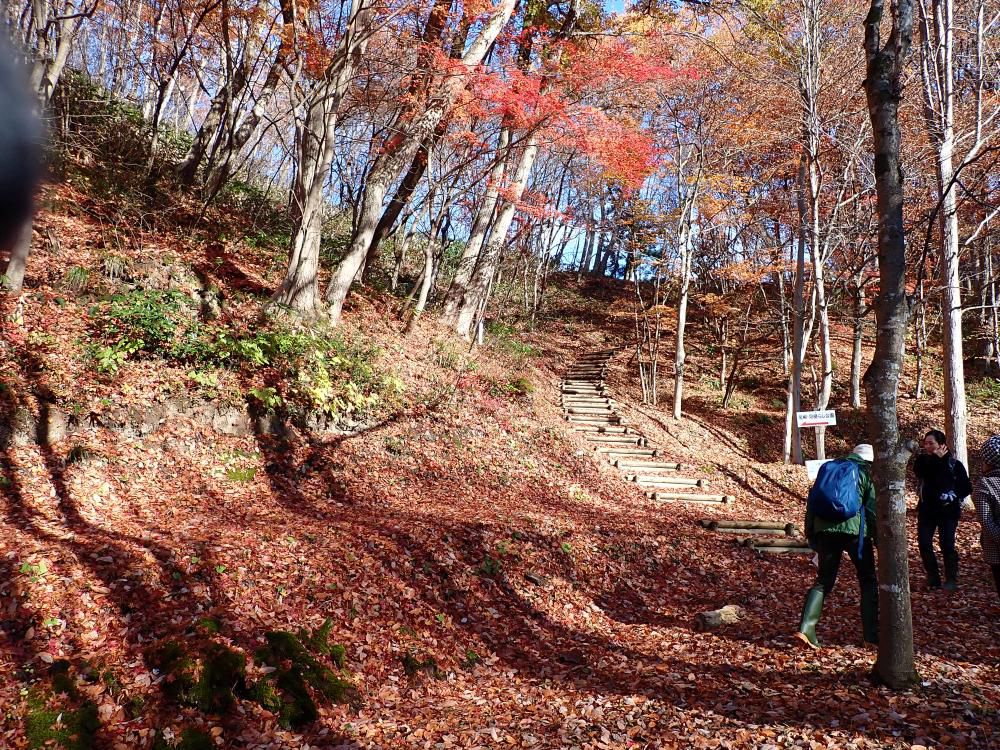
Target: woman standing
x,y
986,496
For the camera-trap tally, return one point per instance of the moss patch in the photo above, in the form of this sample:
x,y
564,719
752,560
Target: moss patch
x,y
300,677
72,729
412,666
209,679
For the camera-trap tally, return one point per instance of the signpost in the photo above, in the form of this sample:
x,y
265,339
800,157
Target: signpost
x,y
812,468
825,418
817,419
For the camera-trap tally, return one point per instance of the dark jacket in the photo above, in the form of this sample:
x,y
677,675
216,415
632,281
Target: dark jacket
x,y
866,488
939,475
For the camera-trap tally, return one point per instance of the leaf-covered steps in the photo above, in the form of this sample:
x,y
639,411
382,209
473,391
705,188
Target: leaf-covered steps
x,y
589,408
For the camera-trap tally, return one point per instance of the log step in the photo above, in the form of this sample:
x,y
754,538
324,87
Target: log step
x,y
775,542
579,411
602,429
628,451
749,527
644,465
588,402
759,532
781,550
581,419
616,439
666,481
691,498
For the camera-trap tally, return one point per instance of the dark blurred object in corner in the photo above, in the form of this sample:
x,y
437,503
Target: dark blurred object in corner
x,y
20,145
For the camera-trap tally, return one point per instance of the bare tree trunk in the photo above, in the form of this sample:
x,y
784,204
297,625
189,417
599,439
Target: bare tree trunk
x,y
588,248
938,76
315,137
473,300
895,664
477,234
398,153
809,89
921,341
18,263
686,248
229,140
859,327
800,339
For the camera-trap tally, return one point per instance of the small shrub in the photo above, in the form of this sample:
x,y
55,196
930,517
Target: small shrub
x,y
76,279
490,566
395,445
505,338
237,474
115,268
448,355
984,391
268,397
413,666
472,659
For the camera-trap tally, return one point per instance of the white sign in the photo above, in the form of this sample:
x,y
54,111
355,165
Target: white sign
x,y
826,418
812,468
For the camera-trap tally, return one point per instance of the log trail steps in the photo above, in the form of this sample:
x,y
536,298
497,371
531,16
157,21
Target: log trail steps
x,y
591,410
769,537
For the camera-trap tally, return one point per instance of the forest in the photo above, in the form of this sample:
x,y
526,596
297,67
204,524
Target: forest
x,y
337,337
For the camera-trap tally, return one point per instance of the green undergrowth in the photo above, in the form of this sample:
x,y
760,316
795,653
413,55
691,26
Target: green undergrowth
x,y
317,370
304,669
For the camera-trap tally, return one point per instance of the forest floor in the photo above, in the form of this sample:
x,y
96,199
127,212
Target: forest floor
x,y
491,583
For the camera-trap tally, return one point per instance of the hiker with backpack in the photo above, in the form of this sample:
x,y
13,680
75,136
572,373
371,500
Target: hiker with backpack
x,y
986,498
840,517
944,483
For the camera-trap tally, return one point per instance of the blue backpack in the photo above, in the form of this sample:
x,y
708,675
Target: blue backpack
x,y
835,496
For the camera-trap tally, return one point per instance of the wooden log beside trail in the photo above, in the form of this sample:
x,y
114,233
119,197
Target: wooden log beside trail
x,y
725,616
749,527
784,542
684,497
778,546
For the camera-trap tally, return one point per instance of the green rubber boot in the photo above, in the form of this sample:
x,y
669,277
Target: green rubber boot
x,y
869,618
810,616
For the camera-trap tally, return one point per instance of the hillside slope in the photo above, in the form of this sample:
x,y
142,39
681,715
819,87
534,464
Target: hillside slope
x,y
491,582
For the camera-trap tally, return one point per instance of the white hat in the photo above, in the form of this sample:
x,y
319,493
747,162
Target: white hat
x,y
864,451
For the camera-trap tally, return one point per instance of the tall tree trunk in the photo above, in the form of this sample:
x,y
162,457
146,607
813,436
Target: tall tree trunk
x,y
315,142
228,142
859,327
800,339
474,299
485,212
686,248
397,154
883,90
809,89
920,341
588,247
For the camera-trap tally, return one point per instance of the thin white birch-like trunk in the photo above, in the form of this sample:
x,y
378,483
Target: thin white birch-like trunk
x,y
315,138
398,154
685,246
474,298
485,212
